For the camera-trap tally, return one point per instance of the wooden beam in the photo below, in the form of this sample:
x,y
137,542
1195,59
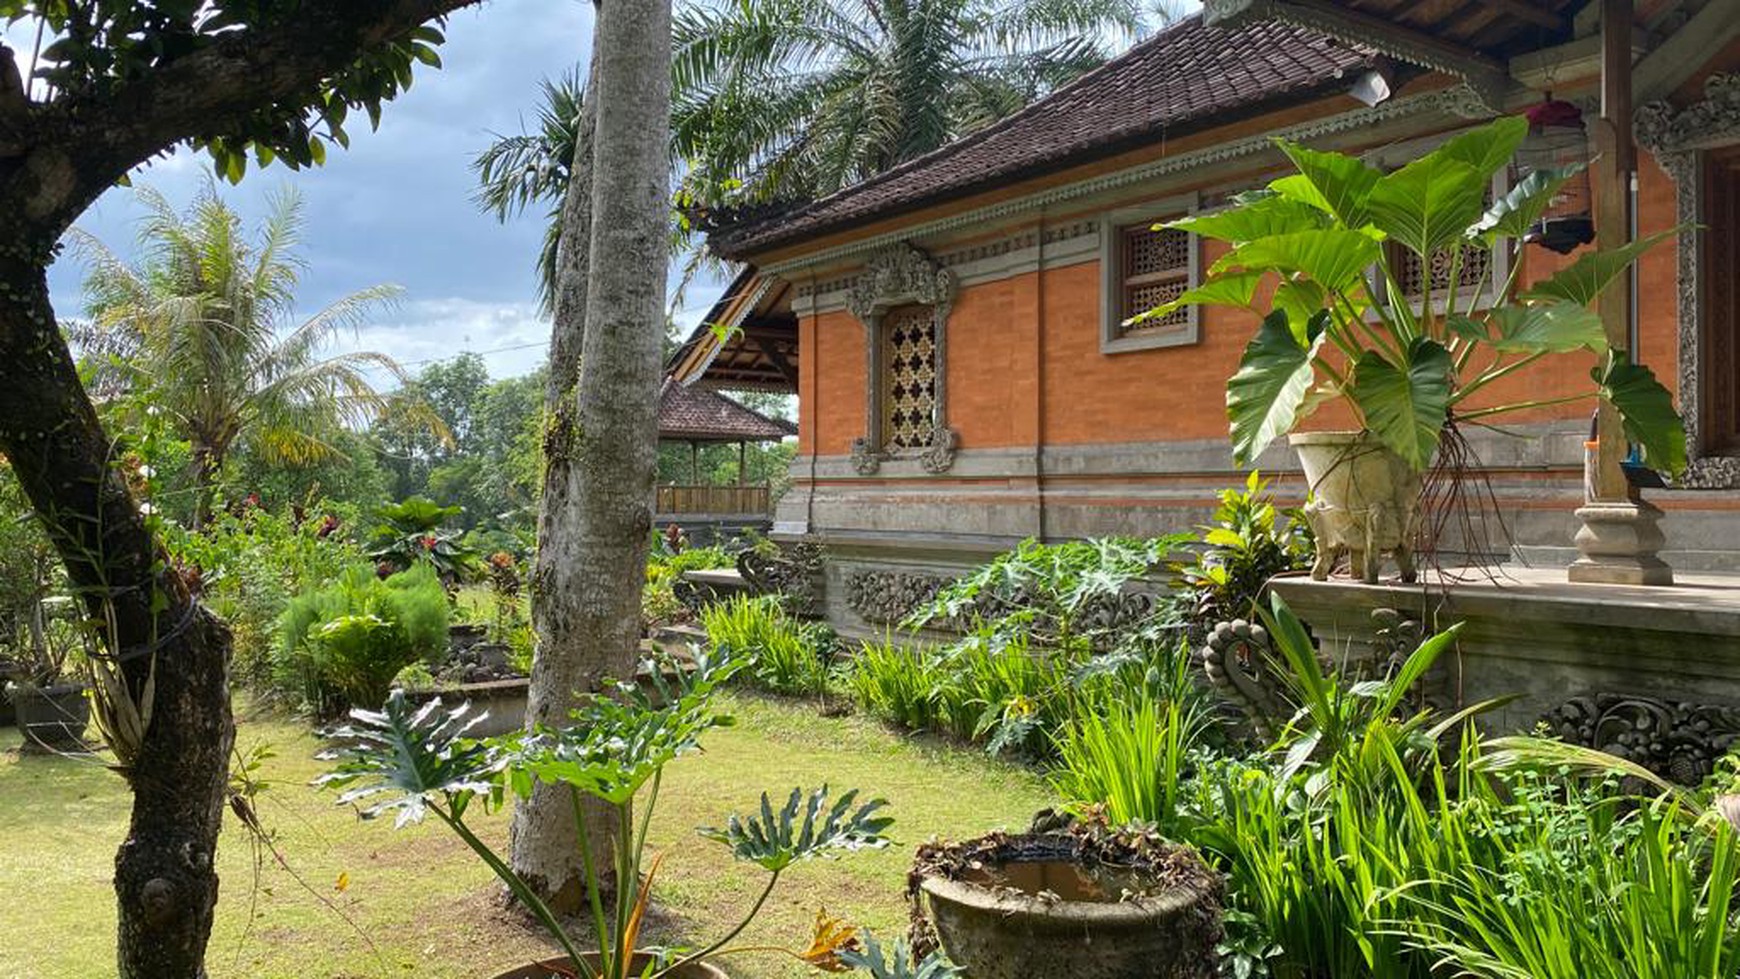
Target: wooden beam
x,y
1522,10
1686,50
777,358
1613,226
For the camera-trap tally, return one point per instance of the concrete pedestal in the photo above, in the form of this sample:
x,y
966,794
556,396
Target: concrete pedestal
x,y
1618,544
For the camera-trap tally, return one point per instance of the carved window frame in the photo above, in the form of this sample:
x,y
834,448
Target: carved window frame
x,y
894,277
1678,139
1114,227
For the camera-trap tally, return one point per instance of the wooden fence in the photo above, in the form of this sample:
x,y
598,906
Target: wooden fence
x,y
677,500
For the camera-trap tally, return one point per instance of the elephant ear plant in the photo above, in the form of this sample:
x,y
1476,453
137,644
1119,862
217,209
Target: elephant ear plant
x,y
411,761
1409,368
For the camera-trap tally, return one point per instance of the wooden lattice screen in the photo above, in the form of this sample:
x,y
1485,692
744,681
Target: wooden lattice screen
x,y
1156,271
908,377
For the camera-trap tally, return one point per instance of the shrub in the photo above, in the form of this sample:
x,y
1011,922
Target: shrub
x,y
342,645
1247,541
1130,754
664,569
414,532
785,656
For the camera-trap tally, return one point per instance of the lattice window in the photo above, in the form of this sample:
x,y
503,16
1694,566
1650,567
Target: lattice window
x,y
1156,269
908,377
1475,272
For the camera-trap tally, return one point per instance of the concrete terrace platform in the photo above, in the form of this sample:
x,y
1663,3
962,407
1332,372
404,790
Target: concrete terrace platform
x,y
1530,633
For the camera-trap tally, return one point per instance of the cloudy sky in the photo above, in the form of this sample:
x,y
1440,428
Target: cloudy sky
x,y
397,206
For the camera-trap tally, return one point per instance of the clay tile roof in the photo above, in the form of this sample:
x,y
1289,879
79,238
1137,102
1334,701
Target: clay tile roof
x,y
700,415
1189,76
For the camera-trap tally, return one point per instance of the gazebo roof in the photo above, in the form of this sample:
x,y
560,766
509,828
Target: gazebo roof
x,y
693,414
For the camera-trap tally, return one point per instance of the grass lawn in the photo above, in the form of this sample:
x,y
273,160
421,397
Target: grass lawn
x,y
428,907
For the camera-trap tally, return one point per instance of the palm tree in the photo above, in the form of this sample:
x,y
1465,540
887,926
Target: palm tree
x,y
199,324
783,100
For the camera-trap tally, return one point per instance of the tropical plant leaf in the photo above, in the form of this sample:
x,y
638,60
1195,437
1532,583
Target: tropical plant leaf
x,y
1512,215
1264,395
1550,327
776,840
1646,409
1232,289
1406,407
1428,205
1335,258
402,758
1583,280
897,962
1488,148
1261,217
1334,183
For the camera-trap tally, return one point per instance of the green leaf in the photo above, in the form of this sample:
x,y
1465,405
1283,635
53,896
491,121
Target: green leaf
x,y
1334,258
404,758
1583,281
1646,409
776,840
1468,329
1265,216
1428,204
1406,408
1231,289
1514,213
1264,395
1489,148
1550,327
1332,182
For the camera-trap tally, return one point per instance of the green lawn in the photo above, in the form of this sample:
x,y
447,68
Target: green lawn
x,y
428,906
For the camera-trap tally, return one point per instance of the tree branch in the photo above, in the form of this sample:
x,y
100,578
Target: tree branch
x,y
218,87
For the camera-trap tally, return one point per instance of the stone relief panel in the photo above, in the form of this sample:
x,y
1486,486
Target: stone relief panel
x,y
1676,740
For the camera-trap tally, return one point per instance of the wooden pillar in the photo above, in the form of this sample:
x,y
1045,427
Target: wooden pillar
x,y
694,463
1621,533
742,471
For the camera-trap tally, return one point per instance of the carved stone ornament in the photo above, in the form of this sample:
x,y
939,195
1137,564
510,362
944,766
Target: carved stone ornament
x,y
1678,741
901,275
888,597
795,573
1675,137
1237,660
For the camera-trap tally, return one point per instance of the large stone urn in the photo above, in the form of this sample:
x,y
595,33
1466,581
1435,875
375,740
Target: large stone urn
x,y
1365,503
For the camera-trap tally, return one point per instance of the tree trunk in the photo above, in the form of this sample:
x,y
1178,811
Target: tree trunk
x,y
546,846
165,882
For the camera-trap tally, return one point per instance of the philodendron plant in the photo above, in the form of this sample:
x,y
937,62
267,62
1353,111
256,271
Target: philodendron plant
x,y
411,762
1336,324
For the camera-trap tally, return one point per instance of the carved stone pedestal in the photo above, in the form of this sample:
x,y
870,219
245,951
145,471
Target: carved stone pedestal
x,y
1618,544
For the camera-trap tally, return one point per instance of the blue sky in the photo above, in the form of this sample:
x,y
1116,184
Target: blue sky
x,y
396,207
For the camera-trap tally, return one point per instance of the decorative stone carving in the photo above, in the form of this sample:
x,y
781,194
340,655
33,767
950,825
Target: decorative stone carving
x,y
1675,138
1237,660
795,573
888,597
901,275
939,456
1678,741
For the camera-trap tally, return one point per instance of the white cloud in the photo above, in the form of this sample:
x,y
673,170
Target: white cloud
x,y
511,337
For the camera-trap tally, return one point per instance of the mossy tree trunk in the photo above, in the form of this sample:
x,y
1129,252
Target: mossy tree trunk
x,y
601,441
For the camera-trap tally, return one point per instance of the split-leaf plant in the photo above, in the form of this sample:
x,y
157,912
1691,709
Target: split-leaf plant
x,y
1318,255
409,762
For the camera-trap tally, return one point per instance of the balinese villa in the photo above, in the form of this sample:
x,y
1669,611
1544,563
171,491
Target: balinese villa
x,y
955,330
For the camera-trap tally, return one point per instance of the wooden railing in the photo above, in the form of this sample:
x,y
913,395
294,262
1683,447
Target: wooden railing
x,y
712,499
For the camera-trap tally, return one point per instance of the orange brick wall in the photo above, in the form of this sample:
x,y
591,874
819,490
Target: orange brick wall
x,y
1024,360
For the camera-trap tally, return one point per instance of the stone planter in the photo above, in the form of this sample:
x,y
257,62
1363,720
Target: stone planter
x,y
563,969
1365,503
1043,912
503,700
52,719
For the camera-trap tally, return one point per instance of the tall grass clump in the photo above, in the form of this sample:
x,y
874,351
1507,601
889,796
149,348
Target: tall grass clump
x,y
1131,752
897,684
786,656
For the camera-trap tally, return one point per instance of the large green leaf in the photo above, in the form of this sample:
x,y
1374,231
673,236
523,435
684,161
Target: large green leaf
x,y
1338,184
1514,213
1550,327
1230,289
1647,410
1335,258
1406,406
1583,281
1488,148
1264,216
1428,204
776,840
1264,395
405,758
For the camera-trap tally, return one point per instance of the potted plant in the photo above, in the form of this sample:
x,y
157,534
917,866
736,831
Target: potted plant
x,y
411,762
50,703
1319,254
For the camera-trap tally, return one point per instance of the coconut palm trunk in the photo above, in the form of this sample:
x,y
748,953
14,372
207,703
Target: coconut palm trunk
x,y
601,445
